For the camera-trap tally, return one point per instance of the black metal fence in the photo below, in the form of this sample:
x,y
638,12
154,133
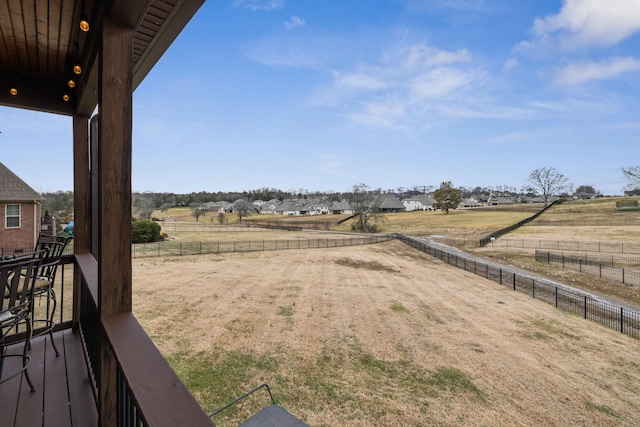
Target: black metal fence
x,y
605,314
607,267
570,245
204,227
200,248
610,222
493,236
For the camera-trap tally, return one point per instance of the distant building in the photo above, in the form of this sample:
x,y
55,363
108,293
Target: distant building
x,y
419,203
340,208
20,212
387,203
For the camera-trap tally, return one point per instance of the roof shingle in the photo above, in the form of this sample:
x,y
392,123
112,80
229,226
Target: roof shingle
x,y
13,188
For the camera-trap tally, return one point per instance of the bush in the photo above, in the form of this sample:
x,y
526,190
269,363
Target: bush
x,y
144,231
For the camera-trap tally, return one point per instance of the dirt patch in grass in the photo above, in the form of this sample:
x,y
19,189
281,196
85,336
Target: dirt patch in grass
x,y
367,265
431,345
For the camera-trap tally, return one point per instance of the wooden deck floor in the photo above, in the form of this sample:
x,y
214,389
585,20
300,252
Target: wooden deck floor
x,y
63,394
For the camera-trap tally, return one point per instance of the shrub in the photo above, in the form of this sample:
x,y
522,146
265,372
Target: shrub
x,y
144,231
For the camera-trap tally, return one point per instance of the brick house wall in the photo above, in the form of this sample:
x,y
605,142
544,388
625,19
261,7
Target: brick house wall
x,y
14,191
25,236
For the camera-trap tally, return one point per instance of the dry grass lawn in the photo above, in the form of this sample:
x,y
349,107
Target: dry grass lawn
x,y
381,335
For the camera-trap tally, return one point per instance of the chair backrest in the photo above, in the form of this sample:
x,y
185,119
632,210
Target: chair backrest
x,y
17,279
53,247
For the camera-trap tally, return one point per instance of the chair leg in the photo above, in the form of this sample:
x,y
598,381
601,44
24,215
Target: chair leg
x,y
3,349
52,297
26,359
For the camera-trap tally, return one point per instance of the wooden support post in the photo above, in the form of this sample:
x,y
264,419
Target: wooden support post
x,y
81,203
114,197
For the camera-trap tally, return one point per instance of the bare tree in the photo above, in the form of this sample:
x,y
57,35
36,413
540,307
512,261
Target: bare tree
x,y
222,218
547,182
197,212
143,205
360,200
242,208
632,175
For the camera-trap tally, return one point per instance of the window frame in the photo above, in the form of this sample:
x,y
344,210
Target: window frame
x,y
7,215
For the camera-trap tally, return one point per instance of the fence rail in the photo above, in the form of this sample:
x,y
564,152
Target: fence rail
x,y
611,222
618,318
176,226
570,245
200,248
493,236
626,276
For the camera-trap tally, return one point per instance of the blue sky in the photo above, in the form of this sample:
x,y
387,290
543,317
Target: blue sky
x,y
325,94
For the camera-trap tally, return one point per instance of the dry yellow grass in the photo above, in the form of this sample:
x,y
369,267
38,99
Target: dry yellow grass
x,y
382,335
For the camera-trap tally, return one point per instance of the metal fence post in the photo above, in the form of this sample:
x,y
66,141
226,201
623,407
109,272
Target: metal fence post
x,y
514,281
585,306
556,297
621,320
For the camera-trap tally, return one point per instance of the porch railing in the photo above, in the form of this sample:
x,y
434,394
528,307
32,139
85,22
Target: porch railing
x,y
147,391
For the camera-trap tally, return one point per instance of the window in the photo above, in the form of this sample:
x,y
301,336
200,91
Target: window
x,y
12,215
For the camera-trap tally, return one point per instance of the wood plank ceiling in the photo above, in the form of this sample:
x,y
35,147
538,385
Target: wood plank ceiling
x,y
41,42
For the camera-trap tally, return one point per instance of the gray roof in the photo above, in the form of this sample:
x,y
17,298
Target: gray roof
x,y
388,201
12,188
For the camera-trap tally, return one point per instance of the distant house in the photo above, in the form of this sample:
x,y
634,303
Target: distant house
x,y
219,207
269,208
387,203
419,203
469,202
500,200
314,209
341,208
288,208
20,212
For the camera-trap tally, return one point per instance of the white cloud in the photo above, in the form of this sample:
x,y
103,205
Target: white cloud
x,y
578,73
442,81
508,138
585,23
254,5
398,91
510,64
294,22
424,56
356,82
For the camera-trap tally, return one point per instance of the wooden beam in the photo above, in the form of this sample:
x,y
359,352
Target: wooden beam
x,y
81,203
114,169
114,197
36,93
171,28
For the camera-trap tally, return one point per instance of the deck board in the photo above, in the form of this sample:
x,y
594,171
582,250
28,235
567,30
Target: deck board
x,y
63,396
82,408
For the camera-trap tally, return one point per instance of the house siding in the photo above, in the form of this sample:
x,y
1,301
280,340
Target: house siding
x,y
25,236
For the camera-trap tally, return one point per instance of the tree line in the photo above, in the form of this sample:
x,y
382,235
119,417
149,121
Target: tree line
x,y
544,182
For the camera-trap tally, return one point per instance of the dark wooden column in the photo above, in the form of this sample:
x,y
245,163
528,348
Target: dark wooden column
x,y
81,203
114,196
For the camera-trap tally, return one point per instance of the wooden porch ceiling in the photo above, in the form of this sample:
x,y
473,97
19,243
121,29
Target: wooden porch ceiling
x,y
41,41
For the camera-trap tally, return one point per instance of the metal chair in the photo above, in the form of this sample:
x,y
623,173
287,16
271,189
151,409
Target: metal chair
x,y
269,416
17,279
53,248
